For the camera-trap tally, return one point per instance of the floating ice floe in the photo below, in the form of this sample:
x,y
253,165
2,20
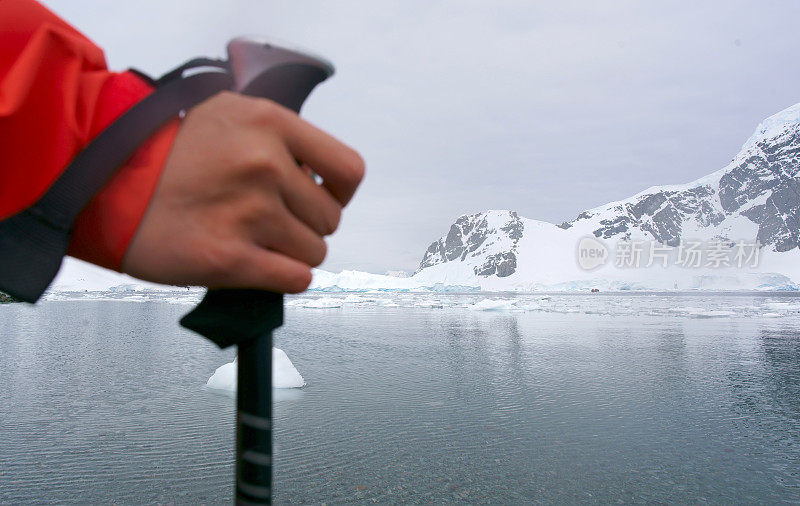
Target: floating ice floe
x,y
493,305
566,310
710,313
323,303
685,309
783,306
284,374
430,304
526,306
700,312
292,302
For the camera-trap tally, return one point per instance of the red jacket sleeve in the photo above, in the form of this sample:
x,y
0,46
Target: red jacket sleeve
x,y
56,95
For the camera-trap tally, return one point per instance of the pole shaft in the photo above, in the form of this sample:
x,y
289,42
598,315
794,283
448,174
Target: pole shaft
x,y
254,422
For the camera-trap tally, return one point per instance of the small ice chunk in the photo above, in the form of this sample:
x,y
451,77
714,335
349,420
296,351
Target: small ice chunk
x,y
431,304
492,305
323,303
527,306
783,306
284,374
710,313
685,309
292,302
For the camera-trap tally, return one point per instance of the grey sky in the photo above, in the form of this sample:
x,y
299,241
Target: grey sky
x,y
465,106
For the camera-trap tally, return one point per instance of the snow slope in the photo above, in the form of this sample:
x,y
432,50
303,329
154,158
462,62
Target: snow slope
x,y
755,198
78,276
545,258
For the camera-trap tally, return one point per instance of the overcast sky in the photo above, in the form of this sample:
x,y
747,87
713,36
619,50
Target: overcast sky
x,y
463,106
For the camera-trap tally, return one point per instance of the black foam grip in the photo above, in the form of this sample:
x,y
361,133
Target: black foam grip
x,y
229,317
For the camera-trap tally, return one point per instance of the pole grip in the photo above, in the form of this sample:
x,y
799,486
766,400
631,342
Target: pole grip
x,y
285,76
248,317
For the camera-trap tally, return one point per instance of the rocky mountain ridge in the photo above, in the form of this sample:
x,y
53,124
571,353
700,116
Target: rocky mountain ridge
x,y
755,198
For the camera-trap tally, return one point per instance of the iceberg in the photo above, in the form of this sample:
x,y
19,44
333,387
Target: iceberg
x,y
284,374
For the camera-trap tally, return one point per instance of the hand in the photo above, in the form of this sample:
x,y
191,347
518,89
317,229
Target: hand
x,y
233,208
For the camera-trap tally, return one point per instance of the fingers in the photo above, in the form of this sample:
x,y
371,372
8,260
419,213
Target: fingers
x,y
283,232
266,270
310,202
340,167
290,213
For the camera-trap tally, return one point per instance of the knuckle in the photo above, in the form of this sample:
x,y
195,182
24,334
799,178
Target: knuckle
x,y
251,160
268,208
271,170
256,210
251,154
261,162
221,262
267,113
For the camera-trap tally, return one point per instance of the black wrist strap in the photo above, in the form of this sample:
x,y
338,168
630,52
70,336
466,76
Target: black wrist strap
x,y
34,241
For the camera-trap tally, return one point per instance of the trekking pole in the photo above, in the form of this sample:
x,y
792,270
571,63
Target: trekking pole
x,y
248,317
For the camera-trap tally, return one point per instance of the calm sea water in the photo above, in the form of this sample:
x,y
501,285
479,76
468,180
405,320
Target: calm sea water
x,y
104,402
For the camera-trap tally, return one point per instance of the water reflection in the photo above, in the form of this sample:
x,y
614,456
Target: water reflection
x,y
408,405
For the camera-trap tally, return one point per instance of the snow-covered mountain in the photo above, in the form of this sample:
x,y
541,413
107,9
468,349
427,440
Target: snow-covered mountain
x,y
755,198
